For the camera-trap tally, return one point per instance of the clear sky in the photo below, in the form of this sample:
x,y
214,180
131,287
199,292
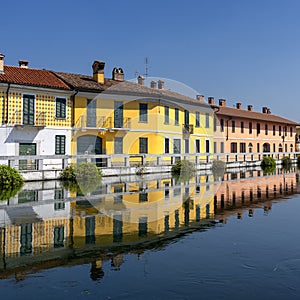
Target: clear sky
x,y
244,51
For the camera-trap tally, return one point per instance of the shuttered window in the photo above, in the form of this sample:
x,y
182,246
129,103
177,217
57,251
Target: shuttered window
x,y
28,110
60,144
60,111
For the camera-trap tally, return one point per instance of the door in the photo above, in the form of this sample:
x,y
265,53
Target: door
x,y
28,110
90,144
27,149
118,115
91,114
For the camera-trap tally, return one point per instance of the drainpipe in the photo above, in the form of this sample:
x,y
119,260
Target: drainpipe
x,y
73,108
227,129
6,110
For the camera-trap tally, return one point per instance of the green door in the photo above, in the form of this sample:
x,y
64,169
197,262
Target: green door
x,y
28,110
27,149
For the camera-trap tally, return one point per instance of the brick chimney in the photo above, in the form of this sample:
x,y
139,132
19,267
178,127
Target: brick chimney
x,y
250,108
118,74
239,105
200,98
161,84
153,84
98,71
141,80
23,64
222,102
2,63
211,100
264,110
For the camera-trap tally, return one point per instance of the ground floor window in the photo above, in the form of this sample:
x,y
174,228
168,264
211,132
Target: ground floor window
x,y
197,150
60,144
143,145
187,145
167,145
222,147
233,147
242,147
118,145
177,146
207,146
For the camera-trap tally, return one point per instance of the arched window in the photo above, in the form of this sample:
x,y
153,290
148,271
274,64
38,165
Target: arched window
x,y
250,147
266,147
280,148
291,148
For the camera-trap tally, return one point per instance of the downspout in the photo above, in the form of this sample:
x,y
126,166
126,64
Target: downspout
x,y
73,108
6,109
227,129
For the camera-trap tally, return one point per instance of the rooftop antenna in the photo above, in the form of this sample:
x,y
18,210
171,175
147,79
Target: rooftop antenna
x,y
146,67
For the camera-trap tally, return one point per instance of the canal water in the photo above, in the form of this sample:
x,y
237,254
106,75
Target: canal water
x,y
231,236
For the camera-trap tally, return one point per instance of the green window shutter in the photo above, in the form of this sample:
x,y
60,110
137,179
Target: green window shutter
x,y
60,108
60,144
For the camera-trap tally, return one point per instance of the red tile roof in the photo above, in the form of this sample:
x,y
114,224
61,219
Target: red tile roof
x,y
32,77
246,114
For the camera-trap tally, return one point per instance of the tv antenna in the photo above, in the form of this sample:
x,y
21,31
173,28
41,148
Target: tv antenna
x,y
146,67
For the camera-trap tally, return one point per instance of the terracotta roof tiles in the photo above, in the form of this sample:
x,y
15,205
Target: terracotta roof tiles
x,y
32,77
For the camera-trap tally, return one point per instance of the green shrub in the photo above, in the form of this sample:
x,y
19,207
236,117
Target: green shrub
x,y
11,182
268,161
218,168
286,163
82,178
183,170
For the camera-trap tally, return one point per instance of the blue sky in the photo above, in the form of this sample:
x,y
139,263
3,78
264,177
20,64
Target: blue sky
x,y
240,50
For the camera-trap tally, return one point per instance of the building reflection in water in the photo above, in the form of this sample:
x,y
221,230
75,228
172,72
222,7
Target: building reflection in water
x,y
47,226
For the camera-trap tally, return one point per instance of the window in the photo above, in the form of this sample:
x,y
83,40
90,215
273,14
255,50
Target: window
x,y
233,126
143,145
274,130
60,109
250,147
177,146
167,116
291,148
143,112
167,145
207,120
207,147
280,149
197,150
186,117
58,236
176,116
242,147
118,114
258,128
118,145
285,130
233,147
60,144
274,147
291,131
28,109
215,147
266,129
258,147
280,130
215,124
250,127
187,146
222,147
197,119
222,125
242,127
143,226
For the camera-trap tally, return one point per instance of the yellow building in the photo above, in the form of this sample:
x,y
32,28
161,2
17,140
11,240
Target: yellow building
x,y
117,117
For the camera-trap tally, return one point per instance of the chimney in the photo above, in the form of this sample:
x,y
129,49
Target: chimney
x,y
239,105
264,110
211,100
200,98
153,84
222,102
98,71
23,64
118,74
250,107
2,63
161,84
269,111
141,80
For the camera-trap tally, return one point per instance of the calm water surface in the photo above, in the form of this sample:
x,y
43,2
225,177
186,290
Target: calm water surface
x,y
244,249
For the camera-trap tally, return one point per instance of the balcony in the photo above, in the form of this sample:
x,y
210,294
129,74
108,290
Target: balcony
x,y
187,129
17,120
103,123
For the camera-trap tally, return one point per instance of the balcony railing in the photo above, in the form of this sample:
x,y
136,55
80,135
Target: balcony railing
x,y
102,122
187,129
16,119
